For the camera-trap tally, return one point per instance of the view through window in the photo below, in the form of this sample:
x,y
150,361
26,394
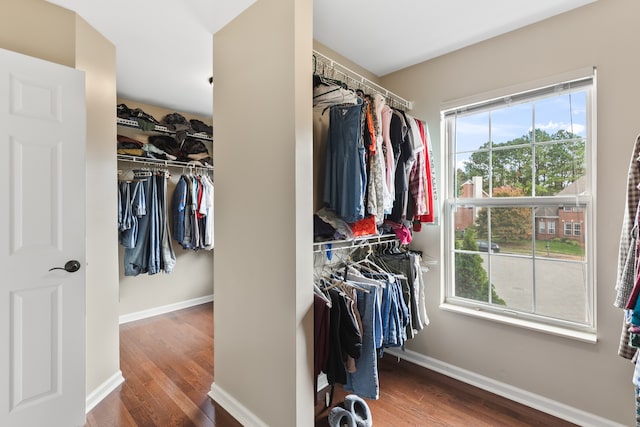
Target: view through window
x,y
519,203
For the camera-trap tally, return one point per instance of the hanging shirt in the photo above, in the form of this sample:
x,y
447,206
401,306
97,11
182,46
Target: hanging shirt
x,y
206,209
178,208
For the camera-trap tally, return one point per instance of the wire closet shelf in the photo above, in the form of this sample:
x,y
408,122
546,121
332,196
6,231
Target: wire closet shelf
x,y
327,67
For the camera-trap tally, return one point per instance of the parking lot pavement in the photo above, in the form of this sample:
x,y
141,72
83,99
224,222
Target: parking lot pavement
x,y
560,289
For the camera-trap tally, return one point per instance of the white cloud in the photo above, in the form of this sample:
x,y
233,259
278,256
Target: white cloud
x,y
552,127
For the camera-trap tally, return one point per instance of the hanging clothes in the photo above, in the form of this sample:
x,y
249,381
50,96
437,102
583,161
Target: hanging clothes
x,y
192,212
147,246
345,171
383,297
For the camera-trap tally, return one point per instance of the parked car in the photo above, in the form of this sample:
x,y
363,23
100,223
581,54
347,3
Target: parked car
x,y
483,246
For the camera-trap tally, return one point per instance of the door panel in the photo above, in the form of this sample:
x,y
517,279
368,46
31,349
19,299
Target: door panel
x,y
42,217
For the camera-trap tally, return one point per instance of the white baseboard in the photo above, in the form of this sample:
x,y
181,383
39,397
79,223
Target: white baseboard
x,y
524,397
103,391
235,408
139,315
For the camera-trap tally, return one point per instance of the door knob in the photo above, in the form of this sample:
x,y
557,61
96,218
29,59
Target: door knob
x,y
71,266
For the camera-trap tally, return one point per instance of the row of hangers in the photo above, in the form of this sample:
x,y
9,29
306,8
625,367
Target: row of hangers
x,y
332,272
136,174
325,74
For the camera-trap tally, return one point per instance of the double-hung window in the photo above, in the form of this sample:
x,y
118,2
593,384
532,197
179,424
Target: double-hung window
x,y
527,158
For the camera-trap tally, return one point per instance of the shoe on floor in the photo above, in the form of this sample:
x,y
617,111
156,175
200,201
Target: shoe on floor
x,y
359,409
340,417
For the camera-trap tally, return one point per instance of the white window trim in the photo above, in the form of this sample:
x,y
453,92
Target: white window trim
x,y
579,332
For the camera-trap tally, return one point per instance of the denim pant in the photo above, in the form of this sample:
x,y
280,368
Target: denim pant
x,y
345,171
136,259
168,257
364,382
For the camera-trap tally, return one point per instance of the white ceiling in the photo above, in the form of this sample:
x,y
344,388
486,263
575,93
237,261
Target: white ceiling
x,y
164,53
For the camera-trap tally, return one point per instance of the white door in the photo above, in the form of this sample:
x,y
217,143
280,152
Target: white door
x,y
42,199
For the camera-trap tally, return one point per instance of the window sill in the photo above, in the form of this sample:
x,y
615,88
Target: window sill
x,y
588,337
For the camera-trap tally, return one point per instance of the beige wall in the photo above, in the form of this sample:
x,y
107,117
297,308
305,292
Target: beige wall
x,y
263,263
590,377
192,276
97,57
40,29
45,31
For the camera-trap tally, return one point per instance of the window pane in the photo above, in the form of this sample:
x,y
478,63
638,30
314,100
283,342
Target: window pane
x,y
472,280
567,245
560,289
511,172
472,174
511,230
558,166
512,278
512,123
564,113
472,132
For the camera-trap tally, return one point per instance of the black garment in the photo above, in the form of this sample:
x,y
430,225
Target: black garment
x,y
322,230
199,126
166,143
344,338
402,150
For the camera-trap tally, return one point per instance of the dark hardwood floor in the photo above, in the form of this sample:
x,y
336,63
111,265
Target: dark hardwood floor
x,y
167,362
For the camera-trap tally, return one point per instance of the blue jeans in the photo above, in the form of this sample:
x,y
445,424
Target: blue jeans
x,y
345,171
133,203
168,257
364,382
136,259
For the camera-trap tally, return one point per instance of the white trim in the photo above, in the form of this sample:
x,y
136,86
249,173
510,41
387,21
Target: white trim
x,y
536,401
493,314
237,410
577,74
139,315
103,390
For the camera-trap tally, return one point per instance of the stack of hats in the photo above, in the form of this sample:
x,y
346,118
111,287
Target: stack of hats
x,y
353,412
190,150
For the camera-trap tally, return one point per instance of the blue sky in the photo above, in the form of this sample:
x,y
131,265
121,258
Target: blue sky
x,y
566,111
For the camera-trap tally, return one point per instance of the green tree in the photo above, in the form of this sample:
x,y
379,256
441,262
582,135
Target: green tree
x,y
559,161
471,278
507,224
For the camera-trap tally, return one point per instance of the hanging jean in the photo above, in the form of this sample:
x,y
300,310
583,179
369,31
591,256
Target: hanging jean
x,y
364,381
345,171
133,207
136,259
166,249
154,229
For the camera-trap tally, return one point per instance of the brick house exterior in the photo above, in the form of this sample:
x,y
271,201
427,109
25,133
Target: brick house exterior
x,y
551,222
564,222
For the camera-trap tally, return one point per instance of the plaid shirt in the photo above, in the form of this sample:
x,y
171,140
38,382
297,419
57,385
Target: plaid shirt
x,y
626,259
626,276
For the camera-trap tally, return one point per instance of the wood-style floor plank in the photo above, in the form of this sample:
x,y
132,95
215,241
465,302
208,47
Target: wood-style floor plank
x,y
167,362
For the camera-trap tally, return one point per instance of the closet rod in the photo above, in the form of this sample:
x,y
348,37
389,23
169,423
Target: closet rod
x,y
362,81
320,247
160,162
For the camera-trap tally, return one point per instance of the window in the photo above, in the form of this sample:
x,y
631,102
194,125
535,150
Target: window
x,y
531,154
568,229
577,229
551,226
